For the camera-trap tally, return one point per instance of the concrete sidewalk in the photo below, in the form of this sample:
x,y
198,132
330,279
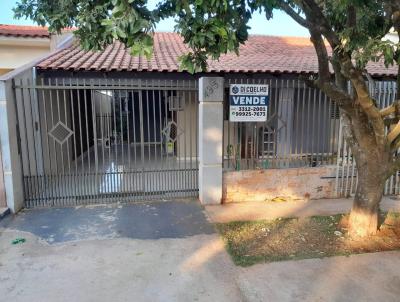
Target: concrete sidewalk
x,y
161,252
248,211
357,278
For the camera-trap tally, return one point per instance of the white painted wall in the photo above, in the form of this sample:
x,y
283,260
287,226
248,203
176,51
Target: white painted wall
x,y
13,56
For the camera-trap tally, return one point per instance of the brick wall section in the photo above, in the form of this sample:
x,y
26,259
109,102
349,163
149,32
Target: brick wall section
x,y
289,184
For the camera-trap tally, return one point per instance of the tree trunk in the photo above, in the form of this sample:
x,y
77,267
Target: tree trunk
x,y
363,219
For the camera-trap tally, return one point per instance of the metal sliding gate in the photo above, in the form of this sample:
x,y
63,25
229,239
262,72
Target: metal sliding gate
x,y
94,140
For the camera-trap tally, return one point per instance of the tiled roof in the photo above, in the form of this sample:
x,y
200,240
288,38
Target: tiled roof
x,y
23,31
259,54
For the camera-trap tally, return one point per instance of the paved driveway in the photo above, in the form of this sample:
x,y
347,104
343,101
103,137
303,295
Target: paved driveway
x,y
166,251
173,219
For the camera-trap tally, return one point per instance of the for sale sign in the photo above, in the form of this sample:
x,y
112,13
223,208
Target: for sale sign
x,y
248,103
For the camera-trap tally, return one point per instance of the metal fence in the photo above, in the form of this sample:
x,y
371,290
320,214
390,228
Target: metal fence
x,y
99,140
2,185
301,129
384,93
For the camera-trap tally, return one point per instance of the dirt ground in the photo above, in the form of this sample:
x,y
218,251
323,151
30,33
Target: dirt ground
x,y
303,238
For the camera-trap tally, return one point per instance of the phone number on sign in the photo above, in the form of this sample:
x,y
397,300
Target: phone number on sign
x,y
249,113
251,109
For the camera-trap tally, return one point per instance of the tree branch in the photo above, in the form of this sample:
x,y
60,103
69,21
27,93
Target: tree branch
x,y
394,133
364,99
392,108
395,146
290,11
322,55
314,12
343,99
340,80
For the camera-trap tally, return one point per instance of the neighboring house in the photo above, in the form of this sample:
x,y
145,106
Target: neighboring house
x,y
20,45
106,126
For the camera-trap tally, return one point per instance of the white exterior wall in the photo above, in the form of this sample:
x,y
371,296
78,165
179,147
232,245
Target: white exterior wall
x,y
13,56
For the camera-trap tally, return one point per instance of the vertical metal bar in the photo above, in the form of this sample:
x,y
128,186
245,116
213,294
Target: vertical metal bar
x,y
113,124
54,178
76,183
94,176
186,179
121,172
59,120
228,139
35,175
325,131
128,128
121,128
338,158
67,142
296,125
289,116
82,169
277,157
66,123
353,171
166,178
141,139
331,138
134,127
304,118
161,183
37,133
73,125
154,175
344,166
148,175
47,184
88,151
191,119
176,145
312,130
348,163
318,128
196,107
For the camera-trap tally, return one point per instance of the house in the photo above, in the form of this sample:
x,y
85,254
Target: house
x,y
20,45
106,127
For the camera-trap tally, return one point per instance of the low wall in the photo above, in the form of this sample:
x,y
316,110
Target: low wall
x,y
285,184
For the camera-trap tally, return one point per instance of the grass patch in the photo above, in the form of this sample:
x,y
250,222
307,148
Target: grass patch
x,y
250,242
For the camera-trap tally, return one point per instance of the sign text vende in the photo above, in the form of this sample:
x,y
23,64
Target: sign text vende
x,y
248,102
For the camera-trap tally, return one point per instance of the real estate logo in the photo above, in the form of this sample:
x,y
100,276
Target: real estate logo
x,y
235,89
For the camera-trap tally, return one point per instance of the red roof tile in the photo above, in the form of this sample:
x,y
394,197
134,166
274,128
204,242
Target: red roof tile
x,y
24,31
260,54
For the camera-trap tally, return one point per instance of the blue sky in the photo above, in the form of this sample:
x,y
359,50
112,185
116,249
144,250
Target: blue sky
x,y
281,25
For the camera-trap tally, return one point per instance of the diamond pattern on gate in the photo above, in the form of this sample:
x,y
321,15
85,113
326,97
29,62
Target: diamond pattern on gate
x,y
60,132
172,131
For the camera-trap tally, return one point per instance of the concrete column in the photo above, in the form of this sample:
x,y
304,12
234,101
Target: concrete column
x,y
9,148
211,97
